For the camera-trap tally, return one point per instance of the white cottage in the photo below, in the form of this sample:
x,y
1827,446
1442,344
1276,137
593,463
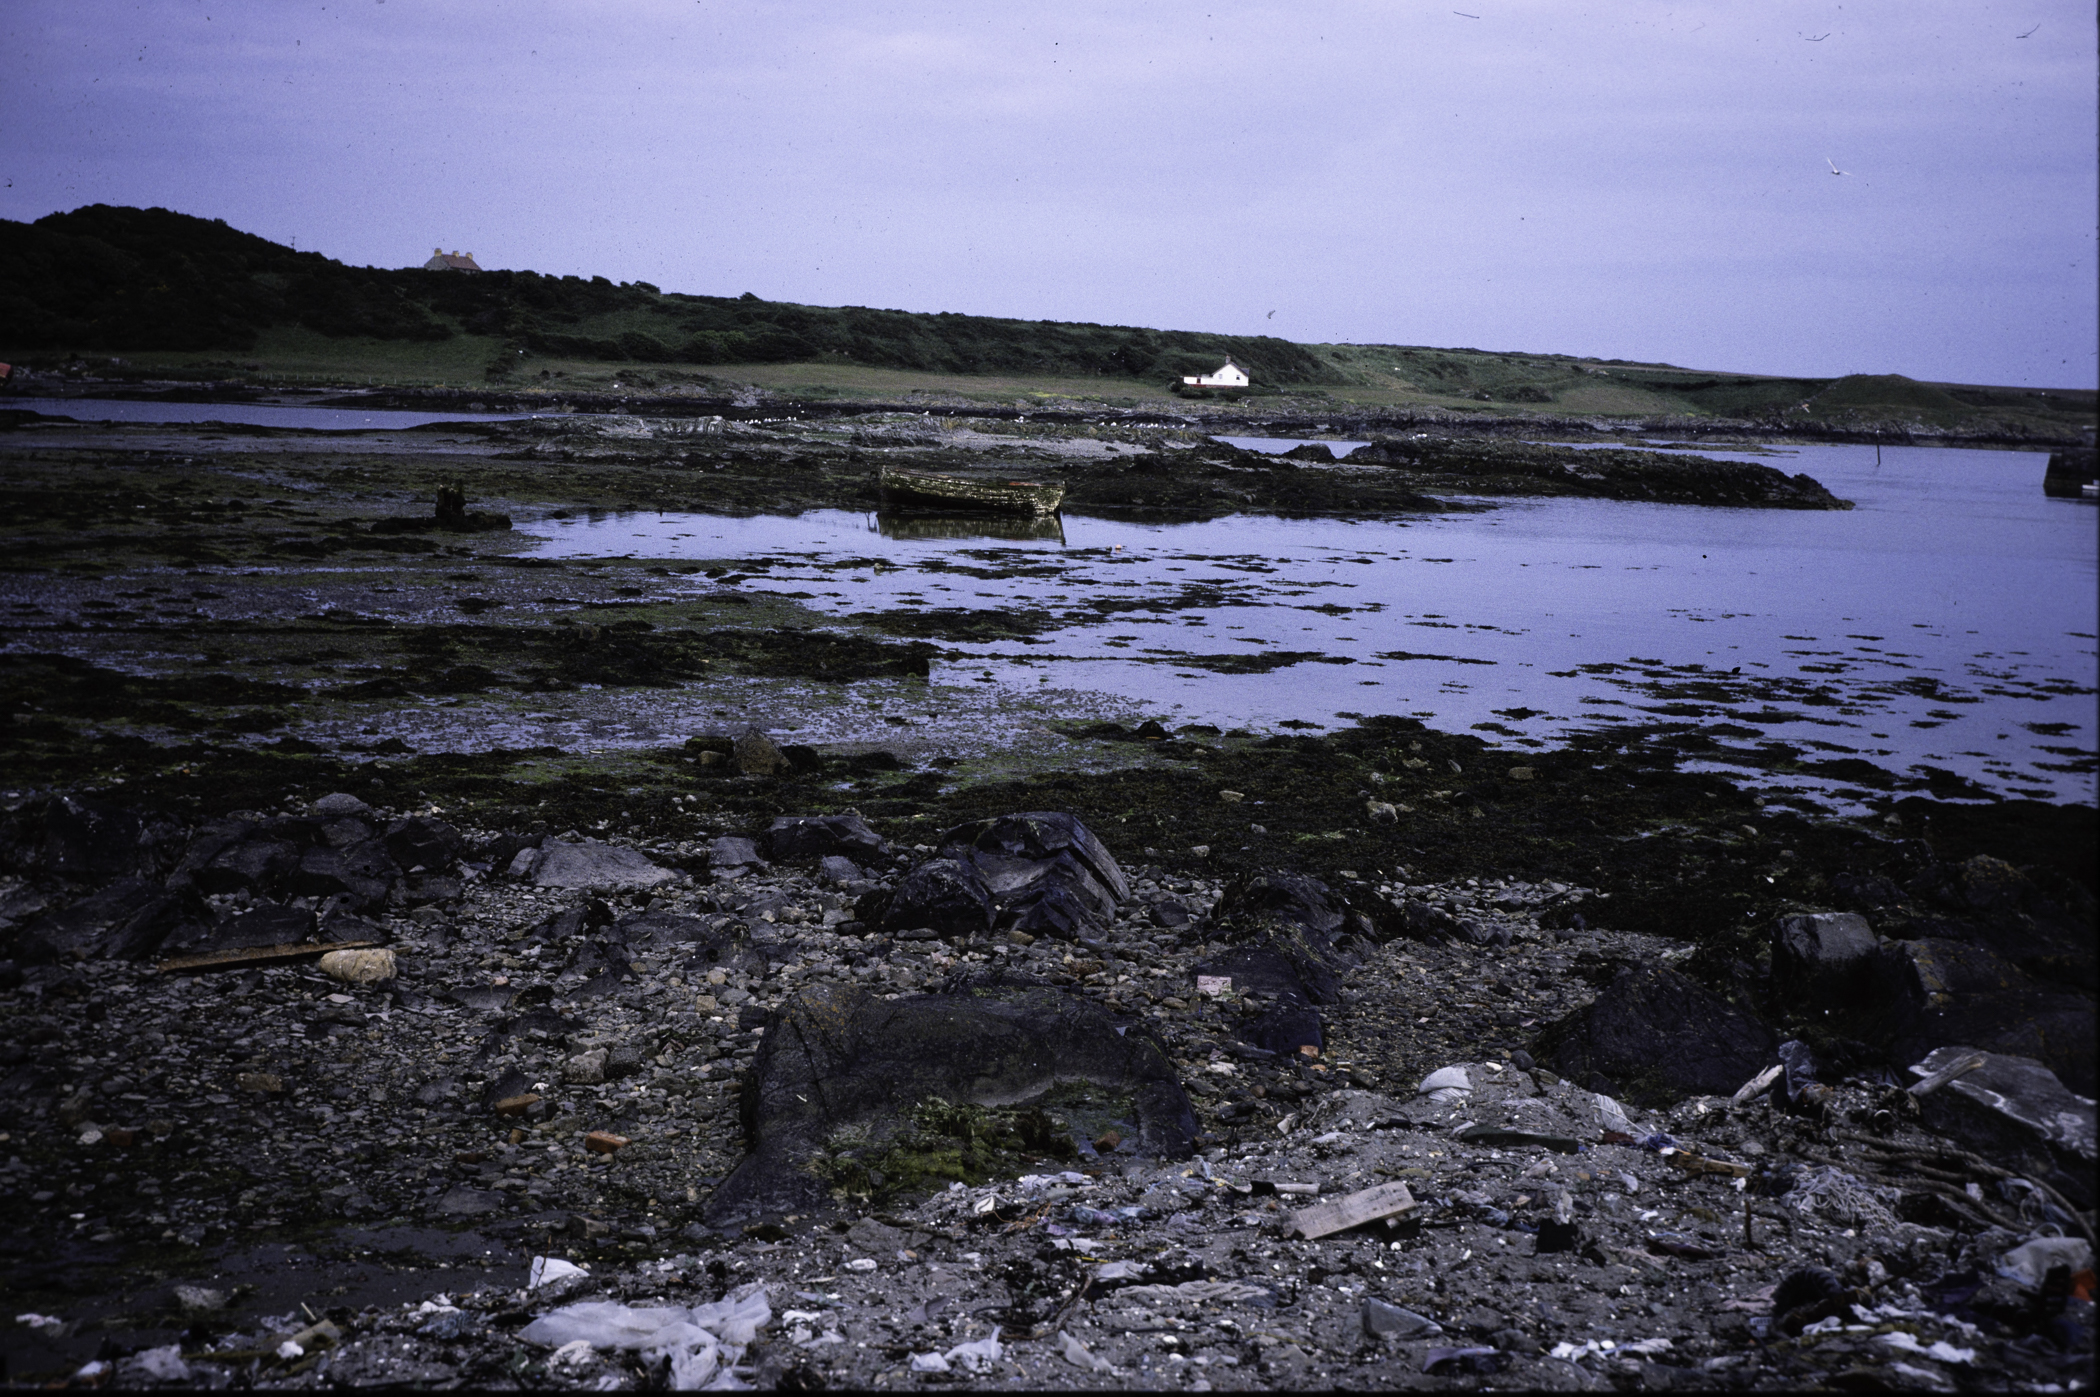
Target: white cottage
x,y
1231,375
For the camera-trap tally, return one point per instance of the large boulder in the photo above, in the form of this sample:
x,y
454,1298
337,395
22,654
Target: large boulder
x,y
1654,1036
1989,903
840,1063
944,895
1936,992
1297,918
257,864
1823,962
425,842
364,872
264,925
1042,872
2011,1105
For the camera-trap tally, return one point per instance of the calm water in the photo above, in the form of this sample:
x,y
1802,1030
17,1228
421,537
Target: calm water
x,y
1948,621
326,419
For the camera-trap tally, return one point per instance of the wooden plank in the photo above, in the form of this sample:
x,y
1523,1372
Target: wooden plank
x,y
1383,1201
236,957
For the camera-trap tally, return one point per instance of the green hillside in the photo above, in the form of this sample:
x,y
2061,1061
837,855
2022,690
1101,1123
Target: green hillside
x,y
103,278
177,295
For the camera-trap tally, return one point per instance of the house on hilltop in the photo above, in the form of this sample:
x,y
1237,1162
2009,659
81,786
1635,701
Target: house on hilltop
x,y
1230,375
443,261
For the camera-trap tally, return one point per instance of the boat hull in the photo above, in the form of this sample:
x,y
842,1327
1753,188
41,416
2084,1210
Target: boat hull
x,y
925,490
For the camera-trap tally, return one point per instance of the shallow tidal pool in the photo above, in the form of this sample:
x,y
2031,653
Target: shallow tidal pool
x,y
1945,625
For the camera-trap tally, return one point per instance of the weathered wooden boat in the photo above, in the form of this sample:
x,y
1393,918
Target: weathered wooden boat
x,y
924,524
926,490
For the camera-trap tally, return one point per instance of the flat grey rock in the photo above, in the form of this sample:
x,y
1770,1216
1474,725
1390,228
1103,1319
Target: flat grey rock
x,y
595,865
462,1201
341,805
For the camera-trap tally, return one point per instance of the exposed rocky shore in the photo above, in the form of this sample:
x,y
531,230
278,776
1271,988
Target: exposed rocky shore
x,y
348,969
601,1052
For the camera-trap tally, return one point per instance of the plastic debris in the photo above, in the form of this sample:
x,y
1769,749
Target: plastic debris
x,y
1386,1321
928,1363
2031,1262
1498,1136
546,1270
1839,1197
164,1364
978,1355
289,1351
1611,1115
1079,1356
702,1343
1939,1350
1757,1086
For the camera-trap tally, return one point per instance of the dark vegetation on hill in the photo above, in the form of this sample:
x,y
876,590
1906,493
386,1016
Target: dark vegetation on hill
x,y
103,278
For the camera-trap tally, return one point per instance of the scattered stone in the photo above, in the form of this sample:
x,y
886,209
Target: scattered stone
x,y
755,754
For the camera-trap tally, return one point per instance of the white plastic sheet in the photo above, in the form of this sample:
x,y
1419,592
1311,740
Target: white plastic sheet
x,y
2030,1262
702,1343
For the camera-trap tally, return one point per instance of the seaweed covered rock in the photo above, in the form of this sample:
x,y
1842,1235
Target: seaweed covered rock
x,y
840,1067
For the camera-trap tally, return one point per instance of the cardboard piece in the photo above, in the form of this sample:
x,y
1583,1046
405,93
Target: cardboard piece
x,y
1382,1201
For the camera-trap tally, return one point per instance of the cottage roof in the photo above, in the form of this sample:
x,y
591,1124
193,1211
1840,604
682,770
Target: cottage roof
x,y
443,261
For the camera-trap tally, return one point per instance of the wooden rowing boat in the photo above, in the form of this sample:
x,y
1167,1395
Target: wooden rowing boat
x,y
911,489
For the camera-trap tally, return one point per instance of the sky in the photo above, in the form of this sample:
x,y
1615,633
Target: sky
x,y
1624,180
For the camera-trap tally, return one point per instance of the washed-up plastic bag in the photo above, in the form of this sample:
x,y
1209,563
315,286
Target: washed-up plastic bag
x,y
979,1354
2030,1263
548,1269
702,1343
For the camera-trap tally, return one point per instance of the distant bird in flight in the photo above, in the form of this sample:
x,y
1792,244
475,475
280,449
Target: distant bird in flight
x,y
1817,40
1463,15
1272,315
2022,36
1833,166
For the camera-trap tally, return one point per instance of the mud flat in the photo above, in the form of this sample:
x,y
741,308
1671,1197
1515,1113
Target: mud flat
x,y
236,676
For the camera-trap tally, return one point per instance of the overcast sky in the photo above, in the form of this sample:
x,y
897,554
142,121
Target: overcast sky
x,y
1639,181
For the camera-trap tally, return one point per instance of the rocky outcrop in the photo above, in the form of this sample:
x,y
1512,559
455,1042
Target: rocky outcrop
x,y
837,1059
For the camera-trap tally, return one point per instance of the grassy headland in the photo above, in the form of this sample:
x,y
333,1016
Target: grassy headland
x,y
172,296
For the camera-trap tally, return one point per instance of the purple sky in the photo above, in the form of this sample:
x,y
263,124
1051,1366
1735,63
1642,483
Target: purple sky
x,y
1623,180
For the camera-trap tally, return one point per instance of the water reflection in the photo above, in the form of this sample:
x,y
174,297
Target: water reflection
x,y
1948,623
1012,527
